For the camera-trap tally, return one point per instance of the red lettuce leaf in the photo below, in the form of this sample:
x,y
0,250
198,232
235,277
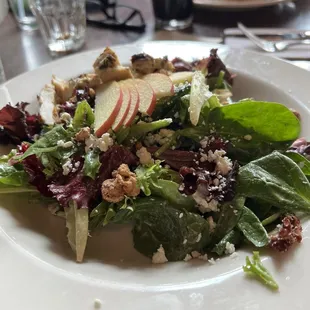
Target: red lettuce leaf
x,y
17,125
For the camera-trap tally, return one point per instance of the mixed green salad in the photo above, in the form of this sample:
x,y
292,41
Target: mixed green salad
x,y
198,177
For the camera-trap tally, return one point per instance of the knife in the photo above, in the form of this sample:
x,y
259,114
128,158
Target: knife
x,y
269,33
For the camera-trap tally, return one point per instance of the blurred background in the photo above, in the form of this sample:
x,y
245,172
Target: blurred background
x,y
34,32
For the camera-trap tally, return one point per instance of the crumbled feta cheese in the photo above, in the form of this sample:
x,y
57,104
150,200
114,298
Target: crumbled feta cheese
x,y
97,303
185,241
163,136
159,257
216,182
203,257
199,237
67,167
204,205
234,255
212,261
64,144
149,140
247,137
181,215
223,163
204,142
229,248
187,258
103,143
195,254
145,157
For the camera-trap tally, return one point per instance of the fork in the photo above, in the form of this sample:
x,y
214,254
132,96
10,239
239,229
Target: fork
x,y
271,46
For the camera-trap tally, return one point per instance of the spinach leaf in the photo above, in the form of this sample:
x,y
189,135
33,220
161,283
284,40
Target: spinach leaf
x,y
84,115
260,208
120,213
229,215
255,128
301,161
234,237
91,164
252,228
77,224
277,180
256,269
179,232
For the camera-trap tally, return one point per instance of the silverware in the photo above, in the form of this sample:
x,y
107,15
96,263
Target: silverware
x,y
271,46
275,34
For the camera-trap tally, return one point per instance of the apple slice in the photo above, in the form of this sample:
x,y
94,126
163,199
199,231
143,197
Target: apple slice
x,y
161,84
134,103
181,77
108,103
147,96
121,116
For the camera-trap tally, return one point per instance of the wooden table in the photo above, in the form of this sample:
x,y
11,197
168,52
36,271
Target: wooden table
x,y
22,51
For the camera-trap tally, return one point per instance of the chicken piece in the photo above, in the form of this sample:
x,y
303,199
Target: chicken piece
x,y
91,80
145,64
124,182
63,88
108,68
48,101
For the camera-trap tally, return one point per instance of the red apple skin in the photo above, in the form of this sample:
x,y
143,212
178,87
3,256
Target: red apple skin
x,y
116,101
134,104
126,101
161,84
147,96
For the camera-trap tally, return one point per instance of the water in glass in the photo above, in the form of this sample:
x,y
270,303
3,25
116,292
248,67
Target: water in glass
x,y
62,23
23,15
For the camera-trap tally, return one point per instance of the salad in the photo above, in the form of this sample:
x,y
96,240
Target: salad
x,y
161,145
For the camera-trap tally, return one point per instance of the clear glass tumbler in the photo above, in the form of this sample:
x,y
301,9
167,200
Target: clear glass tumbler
x,y
23,15
62,23
173,14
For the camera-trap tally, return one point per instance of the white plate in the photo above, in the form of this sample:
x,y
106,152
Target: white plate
x,y
37,267
238,4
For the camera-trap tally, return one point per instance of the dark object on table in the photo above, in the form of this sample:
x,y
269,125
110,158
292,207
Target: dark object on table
x,y
173,14
109,14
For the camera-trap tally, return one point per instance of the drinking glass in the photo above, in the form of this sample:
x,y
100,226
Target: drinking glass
x,y
173,14
62,23
23,15
2,75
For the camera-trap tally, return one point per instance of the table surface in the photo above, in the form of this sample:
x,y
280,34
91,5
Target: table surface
x,y
22,51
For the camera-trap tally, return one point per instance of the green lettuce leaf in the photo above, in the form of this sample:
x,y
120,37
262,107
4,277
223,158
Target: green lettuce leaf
x,y
84,116
277,180
256,269
91,164
77,225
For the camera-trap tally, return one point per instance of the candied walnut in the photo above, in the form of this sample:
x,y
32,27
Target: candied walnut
x,y
83,134
107,59
124,182
289,233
